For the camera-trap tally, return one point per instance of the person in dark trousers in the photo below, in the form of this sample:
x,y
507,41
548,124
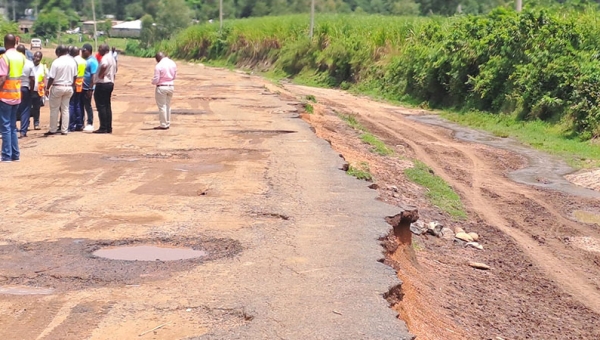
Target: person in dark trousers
x,y
38,93
11,70
76,103
88,84
104,87
27,82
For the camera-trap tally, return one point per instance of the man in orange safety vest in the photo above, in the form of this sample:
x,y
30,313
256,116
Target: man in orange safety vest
x,y
11,70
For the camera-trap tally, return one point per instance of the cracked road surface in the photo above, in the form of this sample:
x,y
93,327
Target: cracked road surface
x,y
294,239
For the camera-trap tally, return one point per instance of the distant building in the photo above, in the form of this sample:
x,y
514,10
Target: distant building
x,y
127,29
25,25
88,26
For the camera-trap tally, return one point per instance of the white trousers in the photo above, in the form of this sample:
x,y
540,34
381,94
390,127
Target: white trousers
x,y
59,102
163,95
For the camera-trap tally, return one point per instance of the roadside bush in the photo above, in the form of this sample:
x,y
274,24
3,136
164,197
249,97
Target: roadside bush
x,y
540,64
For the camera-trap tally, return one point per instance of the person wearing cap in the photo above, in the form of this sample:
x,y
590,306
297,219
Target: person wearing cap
x,y
39,88
165,73
27,82
76,103
105,83
91,68
11,70
61,82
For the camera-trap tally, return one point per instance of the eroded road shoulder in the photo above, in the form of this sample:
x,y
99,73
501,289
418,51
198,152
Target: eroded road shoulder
x,y
541,245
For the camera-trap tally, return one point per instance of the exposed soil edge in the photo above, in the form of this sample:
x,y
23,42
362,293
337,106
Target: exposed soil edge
x,y
400,230
405,297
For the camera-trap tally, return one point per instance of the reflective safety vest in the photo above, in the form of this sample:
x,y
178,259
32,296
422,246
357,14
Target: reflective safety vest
x,y
40,80
11,89
81,64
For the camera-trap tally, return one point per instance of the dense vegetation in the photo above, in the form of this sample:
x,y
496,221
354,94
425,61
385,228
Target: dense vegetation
x,y
209,9
539,64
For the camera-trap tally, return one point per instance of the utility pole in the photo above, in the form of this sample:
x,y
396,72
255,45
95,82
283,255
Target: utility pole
x,y
14,11
519,5
95,28
312,18
220,16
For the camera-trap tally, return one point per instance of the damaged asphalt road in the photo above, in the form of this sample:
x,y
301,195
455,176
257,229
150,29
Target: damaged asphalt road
x,y
234,163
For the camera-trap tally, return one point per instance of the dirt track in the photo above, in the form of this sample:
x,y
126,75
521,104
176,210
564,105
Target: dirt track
x,y
543,285
292,240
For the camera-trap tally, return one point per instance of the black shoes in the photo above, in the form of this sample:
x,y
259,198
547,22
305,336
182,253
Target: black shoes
x,y
55,133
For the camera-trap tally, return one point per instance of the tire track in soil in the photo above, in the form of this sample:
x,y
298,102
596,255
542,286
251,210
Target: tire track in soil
x,y
508,211
570,280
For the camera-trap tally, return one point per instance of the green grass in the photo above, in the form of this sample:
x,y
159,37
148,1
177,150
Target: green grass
x,y
219,63
551,138
361,171
311,98
352,122
118,43
439,192
309,108
378,145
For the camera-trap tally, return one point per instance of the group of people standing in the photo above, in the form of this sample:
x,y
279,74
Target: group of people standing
x,y
69,85
74,78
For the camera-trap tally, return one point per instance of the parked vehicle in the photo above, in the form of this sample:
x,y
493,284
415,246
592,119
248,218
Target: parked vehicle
x,y
36,43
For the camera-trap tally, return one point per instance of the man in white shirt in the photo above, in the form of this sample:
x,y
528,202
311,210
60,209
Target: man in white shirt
x,y
105,84
27,82
61,82
165,73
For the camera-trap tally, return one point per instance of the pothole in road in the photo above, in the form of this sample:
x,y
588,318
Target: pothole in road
x,y
586,217
586,243
207,155
148,253
188,112
263,132
271,215
25,290
121,159
185,112
71,264
166,155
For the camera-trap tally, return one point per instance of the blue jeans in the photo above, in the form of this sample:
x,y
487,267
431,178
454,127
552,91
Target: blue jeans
x,y
76,112
8,129
24,110
87,105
